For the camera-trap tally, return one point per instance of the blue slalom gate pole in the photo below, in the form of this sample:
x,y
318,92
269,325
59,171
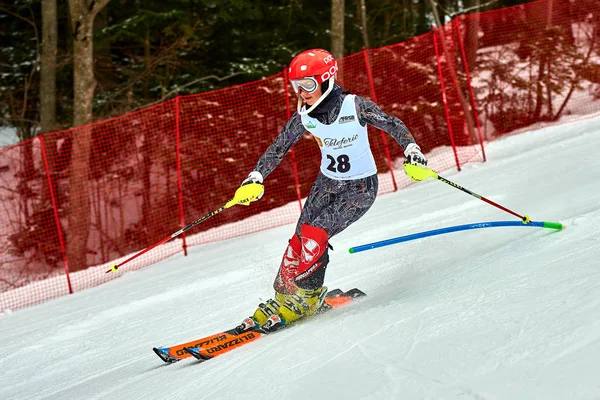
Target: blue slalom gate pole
x,y
441,231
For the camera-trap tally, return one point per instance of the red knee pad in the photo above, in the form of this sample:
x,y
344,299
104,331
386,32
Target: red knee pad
x,y
314,245
284,282
313,258
304,261
291,257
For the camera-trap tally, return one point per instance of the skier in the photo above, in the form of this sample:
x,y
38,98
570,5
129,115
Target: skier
x,y
344,189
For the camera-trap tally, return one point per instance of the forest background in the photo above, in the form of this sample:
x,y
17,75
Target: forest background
x,y
134,53
85,194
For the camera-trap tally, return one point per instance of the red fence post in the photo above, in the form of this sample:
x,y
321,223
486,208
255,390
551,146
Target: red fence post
x,y
383,137
444,100
289,114
179,185
55,209
471,94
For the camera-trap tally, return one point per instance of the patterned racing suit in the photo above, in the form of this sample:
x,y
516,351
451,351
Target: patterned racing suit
x,y
332,204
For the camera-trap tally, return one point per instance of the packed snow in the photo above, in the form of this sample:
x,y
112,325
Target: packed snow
x,y
8,136
502,313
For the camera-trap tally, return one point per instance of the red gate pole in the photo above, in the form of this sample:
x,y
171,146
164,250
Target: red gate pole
x,y
289,114
179,185
55,209
471,94
383,137
444,100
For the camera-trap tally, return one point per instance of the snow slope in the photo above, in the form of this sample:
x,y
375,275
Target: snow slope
x,y
502,313
8,136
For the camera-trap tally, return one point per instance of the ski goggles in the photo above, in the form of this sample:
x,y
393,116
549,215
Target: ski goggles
x,y
309,84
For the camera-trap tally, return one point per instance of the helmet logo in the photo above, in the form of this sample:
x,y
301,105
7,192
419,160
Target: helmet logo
x,y
329,73
328,59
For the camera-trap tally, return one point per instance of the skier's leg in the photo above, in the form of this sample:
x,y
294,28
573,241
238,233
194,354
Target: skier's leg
x,y
298,286
284,282
331,207
335,205
308,277
288,269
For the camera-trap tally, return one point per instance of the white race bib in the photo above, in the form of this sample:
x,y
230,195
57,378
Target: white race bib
x,y
345,150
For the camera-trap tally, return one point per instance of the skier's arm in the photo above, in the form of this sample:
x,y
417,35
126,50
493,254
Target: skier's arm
x,y
370,113
289,135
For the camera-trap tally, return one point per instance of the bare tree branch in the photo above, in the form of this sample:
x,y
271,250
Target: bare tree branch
x,y
30,22
167,95
29,80
464,10
27,120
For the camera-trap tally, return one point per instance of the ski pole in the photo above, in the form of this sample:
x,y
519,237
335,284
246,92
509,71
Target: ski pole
x,y
244,195
421,174
441,231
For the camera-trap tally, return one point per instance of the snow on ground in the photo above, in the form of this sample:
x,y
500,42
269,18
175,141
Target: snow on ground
x,y
502,313
8,136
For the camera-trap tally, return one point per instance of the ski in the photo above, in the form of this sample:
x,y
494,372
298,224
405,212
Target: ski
x,y
176,353
230,339
228,342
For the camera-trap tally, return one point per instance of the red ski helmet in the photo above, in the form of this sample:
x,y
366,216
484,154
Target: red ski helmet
x,y
310,69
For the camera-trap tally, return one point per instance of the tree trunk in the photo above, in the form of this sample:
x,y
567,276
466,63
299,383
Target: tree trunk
x,y
472,32
48,67
422,25
539,89
337,28
48,90
363,23
146,151
388,18
450,60
147,61
438,11
406,17
543,71
84,83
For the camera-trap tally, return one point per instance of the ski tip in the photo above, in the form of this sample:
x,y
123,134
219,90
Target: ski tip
x,y
195,352
334,302
354,293
334,293
337,297
164,355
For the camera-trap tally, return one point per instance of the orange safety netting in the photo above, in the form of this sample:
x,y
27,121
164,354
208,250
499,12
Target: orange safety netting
x,y
91,195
